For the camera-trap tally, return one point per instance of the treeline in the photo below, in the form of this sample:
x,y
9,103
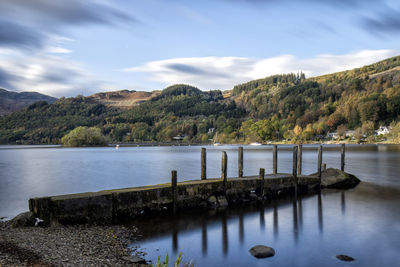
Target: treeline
x,y
43,123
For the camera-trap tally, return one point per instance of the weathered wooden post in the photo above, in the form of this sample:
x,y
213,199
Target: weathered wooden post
x,y
342,158
324,167
174,183
275,160
294,170
240,162
262,178
203,164
224,165
299,159
319,161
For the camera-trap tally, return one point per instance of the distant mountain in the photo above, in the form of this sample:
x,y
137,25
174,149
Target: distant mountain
x,y
13,101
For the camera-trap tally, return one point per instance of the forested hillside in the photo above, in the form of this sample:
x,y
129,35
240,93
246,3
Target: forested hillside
x,y
288,106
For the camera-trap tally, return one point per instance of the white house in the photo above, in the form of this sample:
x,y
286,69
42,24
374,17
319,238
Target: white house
x,y
333,135
382,130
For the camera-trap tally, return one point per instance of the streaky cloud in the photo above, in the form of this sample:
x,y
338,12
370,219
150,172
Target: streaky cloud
x,y
225,72
39,19
385,23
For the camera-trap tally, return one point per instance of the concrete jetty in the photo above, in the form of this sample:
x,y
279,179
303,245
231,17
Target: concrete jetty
x,y
118,205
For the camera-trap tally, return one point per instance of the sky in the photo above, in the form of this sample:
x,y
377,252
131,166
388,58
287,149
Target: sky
x,y
71,47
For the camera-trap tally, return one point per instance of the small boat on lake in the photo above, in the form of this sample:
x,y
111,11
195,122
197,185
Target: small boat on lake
x,y
255,144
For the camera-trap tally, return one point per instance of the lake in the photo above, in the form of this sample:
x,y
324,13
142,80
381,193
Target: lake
x,y
363,222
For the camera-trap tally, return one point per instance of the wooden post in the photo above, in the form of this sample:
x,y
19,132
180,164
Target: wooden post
x,y
299,158
294,171
262,178
224,163
203,164
174,183
240,162
342,158
275,160
319,161
324,167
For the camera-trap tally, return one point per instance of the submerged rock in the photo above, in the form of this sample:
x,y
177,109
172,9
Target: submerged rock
x,y
134,259
261,251
344,258
334,178
24,219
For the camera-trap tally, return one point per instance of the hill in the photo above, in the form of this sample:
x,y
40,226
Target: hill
x,y
288,106
123,99
12,101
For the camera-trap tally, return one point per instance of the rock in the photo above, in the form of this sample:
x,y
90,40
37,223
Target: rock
x,y
253,197
212,200
24,219
344,258
134,259
261,251
334,178
222,201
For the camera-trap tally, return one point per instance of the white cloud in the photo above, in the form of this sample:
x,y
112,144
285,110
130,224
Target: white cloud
x,y
225,72
48,74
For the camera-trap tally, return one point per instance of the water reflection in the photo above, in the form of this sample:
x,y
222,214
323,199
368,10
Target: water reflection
x,y
343,202
295,220
241,228
262,218
224,234
206,237
299,199
174,237
276,227
320,214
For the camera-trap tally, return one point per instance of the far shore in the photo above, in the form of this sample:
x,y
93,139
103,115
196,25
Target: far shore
x,y
144,144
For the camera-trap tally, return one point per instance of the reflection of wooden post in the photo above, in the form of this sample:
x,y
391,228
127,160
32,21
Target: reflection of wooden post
x,y
275,159
174,182
262,178
240,162
224,235
203,164
299,159
224,163
342,158
319,161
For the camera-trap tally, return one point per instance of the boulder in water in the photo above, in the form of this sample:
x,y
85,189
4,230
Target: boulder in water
x,y
345,258
261,251
334,178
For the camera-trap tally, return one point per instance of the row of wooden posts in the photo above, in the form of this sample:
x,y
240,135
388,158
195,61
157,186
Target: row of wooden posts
x,y
296,170
297,161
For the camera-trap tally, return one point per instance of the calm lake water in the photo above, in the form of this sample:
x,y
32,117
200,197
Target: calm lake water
x,y
309,231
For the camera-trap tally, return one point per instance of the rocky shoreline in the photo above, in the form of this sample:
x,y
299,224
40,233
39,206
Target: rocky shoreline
x,y
79,245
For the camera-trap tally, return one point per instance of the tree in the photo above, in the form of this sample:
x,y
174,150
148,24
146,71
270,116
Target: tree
x,y
341,131
84,136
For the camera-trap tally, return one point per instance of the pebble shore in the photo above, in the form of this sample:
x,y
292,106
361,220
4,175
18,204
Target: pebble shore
x,y
79,245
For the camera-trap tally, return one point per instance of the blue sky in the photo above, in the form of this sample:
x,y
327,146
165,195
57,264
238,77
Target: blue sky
x,y
65,48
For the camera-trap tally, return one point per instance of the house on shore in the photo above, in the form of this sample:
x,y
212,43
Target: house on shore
x,y
382,130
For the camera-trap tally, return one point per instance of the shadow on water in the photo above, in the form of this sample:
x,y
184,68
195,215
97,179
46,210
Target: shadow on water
x,y
320,226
